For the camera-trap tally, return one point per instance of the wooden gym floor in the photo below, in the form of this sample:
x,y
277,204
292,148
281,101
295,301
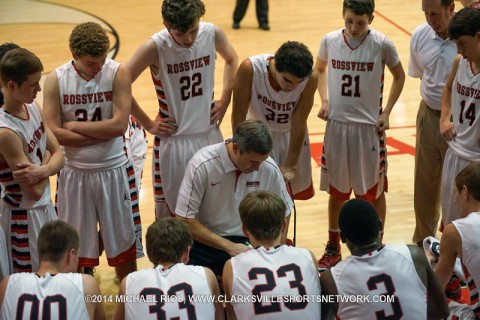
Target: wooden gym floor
x,y
44,27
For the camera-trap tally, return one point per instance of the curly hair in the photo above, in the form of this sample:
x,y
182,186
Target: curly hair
x,y
359,222
181,14
295,58
89,39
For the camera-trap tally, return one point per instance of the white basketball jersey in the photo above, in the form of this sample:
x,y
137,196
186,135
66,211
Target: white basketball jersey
x,y
59,296
184,83
355,75
469,229
272,107
90,100
465,102
177,282
32,132
277,280
388,271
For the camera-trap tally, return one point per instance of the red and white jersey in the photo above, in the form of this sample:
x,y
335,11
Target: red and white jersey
x,y
272,107
469,229
90,100
29,296
185,81
177,283
32,132
212,189
283,277
356,75
466,119
388,271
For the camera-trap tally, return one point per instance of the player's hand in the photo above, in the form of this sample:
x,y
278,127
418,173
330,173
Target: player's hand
x,y
447,130
237,248
382,123
323,113
288,173
218,112
29,173
163,127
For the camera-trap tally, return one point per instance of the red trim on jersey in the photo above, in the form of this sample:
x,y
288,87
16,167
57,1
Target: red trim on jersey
x,y
361,42
26,110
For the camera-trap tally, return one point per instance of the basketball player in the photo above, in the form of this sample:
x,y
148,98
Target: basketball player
x,y
354,150
168,245
460,96
280,269
400,272
4,255
279,90
460,238
217,178
54,291
29,154
431,57
87,104
181,60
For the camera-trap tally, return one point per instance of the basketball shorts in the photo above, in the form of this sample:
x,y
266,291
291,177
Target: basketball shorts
x,y
354,157
452,165
301,185
108,198
169,162
21,227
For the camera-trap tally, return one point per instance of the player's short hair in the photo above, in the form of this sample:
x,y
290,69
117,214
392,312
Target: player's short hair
x,y
89,39
359,222
263,213
4,48
181,14
167,240
253,135
7,46
55,239
359,7
470,177
17,64
465,22
295,58
446,3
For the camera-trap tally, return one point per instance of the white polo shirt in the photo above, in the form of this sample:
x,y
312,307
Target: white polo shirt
x,y
431,59
211,191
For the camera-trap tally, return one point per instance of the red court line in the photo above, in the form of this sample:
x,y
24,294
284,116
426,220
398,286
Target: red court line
x,y
393,23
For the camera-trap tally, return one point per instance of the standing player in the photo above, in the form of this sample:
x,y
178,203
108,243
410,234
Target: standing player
x,y
54,291
168,246
374,270
29,154
181,59
460,238
354,150
218,177
460,98
431,57
87,104
279,90
280,270
4,255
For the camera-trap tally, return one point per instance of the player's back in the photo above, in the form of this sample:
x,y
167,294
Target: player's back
x,y
364,283
160,293
274,283
29,296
